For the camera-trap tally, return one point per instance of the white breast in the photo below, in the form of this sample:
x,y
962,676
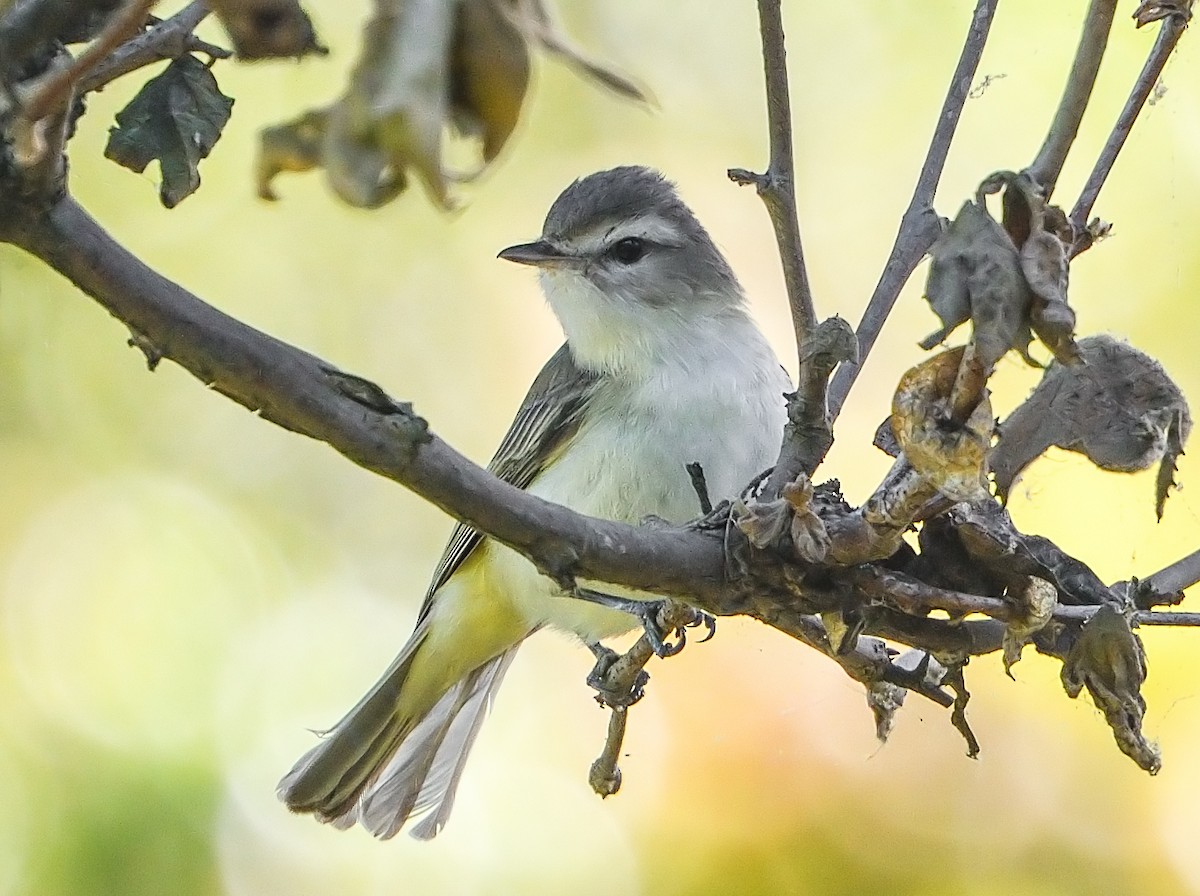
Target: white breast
x,y
715,399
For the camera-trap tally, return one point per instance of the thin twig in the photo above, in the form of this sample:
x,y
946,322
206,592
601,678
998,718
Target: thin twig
x,y
777,185
168,39
1092,42
54,93
1169,32
920,226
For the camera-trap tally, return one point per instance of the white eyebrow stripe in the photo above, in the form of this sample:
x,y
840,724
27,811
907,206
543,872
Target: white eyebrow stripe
x,y
651,227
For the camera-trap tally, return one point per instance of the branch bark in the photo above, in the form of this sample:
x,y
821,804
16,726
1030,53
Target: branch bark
x,y
1169,33
920,225
777,186
1048,164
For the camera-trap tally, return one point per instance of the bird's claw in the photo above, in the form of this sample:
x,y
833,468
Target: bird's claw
x,y
661,619
678,620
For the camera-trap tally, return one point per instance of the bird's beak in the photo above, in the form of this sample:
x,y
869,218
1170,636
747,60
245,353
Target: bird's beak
x,y
539,254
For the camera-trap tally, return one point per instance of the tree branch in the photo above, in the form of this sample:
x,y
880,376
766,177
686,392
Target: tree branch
x,y
1169,32
777,186
27,27
1048,164
302,393
167,39
920,225
55,92
1178,576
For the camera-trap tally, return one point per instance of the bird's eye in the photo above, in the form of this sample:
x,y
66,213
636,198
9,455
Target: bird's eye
x,y
628,250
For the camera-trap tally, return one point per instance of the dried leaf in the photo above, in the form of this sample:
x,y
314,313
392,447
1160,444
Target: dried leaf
x,y
763,523
391,118
809,537
1108,659
1120,409
534,16
427,68
986,531
1153,10
950,457
267,29
489,72
294,146
975,274
1033,607
175,118
884,700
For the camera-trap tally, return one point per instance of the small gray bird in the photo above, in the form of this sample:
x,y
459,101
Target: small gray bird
x,y
662,367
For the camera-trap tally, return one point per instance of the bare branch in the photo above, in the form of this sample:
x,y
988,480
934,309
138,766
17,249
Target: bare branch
x,y
304,394
777,186
56,91
1180,575
167,39
920,226
1050,158
1170,31
27,26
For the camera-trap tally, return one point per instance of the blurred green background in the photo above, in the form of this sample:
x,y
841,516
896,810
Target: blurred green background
x,y
185,589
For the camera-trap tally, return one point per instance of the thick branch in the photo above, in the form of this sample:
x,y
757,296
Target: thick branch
x,y
1170,31
297,391
1050,158
920,226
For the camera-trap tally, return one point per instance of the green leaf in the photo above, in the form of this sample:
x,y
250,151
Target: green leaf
x,y
175,118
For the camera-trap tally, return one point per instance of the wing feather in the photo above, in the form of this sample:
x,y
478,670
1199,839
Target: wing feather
x,y
548,417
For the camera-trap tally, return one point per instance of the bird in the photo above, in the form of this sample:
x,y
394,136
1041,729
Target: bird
x,y
663,366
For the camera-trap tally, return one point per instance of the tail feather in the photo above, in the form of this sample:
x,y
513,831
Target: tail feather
x,y
379,767
421,779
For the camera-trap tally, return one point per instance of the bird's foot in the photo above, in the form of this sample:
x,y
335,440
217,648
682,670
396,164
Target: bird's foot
x,y
661,619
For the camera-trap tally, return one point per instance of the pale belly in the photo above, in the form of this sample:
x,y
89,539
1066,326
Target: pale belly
x,y
633,465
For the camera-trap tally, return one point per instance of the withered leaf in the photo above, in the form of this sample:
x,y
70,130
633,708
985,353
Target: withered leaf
x,y
975,274
427,68
1120,409
489,72
1108,659
391,118
1033,603
175,118
808,534
293,146
267,29
951,457
534,17
986,532
884,700
762,522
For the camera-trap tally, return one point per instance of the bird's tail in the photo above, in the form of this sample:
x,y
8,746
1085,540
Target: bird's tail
x,y
394,757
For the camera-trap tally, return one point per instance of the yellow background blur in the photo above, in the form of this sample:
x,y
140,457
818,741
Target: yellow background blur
x,y
185,589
